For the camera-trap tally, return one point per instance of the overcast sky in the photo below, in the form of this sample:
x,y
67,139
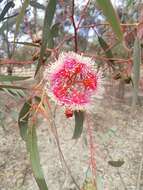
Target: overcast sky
x,y
79,2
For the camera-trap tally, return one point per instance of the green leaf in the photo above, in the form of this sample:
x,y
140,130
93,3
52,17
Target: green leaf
x,y
6,9
32,148
11,87
136,70
20,17
37,99
14,93
10,22
23,119
1,1
28,133
79,119
10,92
24,116
21,93
8,17
27,44
5,78
130,2
111,16
55,30
37,5
106,49
117,163
46,36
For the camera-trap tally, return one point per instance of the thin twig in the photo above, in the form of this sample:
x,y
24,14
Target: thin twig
x,y
83,13
107,24
55,133
92,150
75,28
103,58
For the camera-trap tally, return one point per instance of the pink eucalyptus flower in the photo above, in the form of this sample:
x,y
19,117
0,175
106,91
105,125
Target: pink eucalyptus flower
x,y
73,81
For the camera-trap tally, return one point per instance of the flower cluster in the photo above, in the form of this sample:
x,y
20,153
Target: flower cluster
x,y
73,81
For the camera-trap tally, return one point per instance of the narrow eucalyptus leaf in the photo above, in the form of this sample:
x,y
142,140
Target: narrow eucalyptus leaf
x,y
32,148
55,30
105,47
79,119
20,16
46,36
9,78
37,5
27,44
2,86
10,22
23,119
117,163
9,5
111,16
136,70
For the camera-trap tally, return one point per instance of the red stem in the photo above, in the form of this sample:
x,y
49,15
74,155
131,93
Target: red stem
x,y
92,149
83,13
75,28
